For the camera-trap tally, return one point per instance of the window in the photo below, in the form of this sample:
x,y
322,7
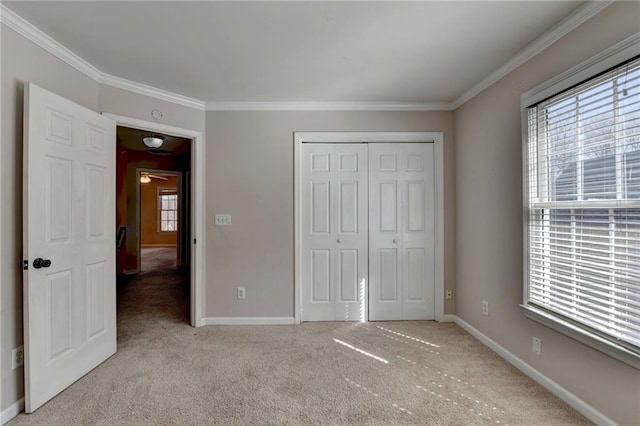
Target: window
x,y
582,211
167,209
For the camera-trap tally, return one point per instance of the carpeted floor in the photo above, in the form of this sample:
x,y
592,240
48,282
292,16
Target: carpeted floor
x,y
166,372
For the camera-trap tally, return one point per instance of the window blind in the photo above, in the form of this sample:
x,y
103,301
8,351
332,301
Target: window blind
x,y
583,226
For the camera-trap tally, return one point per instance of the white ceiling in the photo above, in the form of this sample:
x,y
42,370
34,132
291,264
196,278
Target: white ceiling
x,y
299,51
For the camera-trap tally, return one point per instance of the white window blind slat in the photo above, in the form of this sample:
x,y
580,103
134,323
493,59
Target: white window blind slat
x,y
583,221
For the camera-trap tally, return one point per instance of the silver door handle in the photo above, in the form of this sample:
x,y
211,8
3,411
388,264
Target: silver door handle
x,y
395,241
338,240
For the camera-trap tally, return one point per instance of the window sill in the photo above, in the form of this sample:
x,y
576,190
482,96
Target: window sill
x,y
618,352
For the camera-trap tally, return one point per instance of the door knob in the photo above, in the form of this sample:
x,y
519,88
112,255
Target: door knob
x,y
395,241
338,240
41,263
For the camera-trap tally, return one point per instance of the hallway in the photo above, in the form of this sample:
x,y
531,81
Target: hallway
x,y
159,293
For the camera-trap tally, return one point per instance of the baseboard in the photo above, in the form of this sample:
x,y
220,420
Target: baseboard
x,y
248,321
585,409
449,318
12,411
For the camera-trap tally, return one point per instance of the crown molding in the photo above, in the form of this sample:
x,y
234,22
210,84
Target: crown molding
x,y
578,17
154,92
32,33
328,106
37,36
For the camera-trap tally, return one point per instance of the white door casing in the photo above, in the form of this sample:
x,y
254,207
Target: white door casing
x,y
69,219
197,213
334,232
401,232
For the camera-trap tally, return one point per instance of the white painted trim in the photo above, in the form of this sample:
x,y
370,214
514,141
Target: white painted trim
x,y
585,409
11,411
616,54
28,30
329,106
38,37
249,321
581,15
35,35
179,178
361,137
449,318
198,214
143,89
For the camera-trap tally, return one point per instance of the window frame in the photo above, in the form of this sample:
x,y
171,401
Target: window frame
x,y
160,193
587,70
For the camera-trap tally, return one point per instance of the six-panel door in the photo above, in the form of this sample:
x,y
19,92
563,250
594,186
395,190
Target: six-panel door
x,y
334,232
401,231
69,221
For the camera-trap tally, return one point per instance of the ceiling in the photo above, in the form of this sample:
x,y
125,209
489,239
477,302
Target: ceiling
x,y
131,139
240,51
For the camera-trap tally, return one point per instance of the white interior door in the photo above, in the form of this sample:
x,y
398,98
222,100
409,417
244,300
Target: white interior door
x,y
334,229
69,243
401,231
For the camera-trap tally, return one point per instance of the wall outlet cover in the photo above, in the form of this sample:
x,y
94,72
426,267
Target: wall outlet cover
x,y
17,357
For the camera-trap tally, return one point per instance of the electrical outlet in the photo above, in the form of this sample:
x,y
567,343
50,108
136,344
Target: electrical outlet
x,y
536,346
241,293
17,357
449,294
485,307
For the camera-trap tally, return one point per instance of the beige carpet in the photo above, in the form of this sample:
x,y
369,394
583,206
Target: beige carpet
x,y
166,372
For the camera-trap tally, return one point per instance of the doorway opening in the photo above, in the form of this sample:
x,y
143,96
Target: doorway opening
x,y
160,219
152,215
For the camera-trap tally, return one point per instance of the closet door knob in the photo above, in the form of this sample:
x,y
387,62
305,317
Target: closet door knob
x,y
395,241
338,240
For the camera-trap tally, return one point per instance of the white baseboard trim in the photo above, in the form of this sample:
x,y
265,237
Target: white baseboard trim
x,y
248,321
585,409
11,411
449,318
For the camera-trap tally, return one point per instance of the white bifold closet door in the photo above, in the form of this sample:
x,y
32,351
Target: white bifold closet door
x,y
401,231
367,232
334,249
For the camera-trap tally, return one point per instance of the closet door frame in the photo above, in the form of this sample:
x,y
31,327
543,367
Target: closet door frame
x,y
437,138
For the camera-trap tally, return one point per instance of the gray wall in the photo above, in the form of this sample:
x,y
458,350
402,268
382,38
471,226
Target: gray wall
x,y
489,223
250,176
24,61
27,62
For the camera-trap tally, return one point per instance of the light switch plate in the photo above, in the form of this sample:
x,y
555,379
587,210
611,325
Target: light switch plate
x,y
223,220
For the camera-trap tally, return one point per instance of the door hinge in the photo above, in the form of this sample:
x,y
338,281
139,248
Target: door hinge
x,y
25,265
194,241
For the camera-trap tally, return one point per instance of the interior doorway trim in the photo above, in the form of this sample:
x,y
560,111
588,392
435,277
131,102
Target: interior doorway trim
x,y
178,176
437,138
198,216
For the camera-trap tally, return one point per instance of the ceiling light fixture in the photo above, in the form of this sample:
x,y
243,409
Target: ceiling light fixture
x,y
153,141
144,178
